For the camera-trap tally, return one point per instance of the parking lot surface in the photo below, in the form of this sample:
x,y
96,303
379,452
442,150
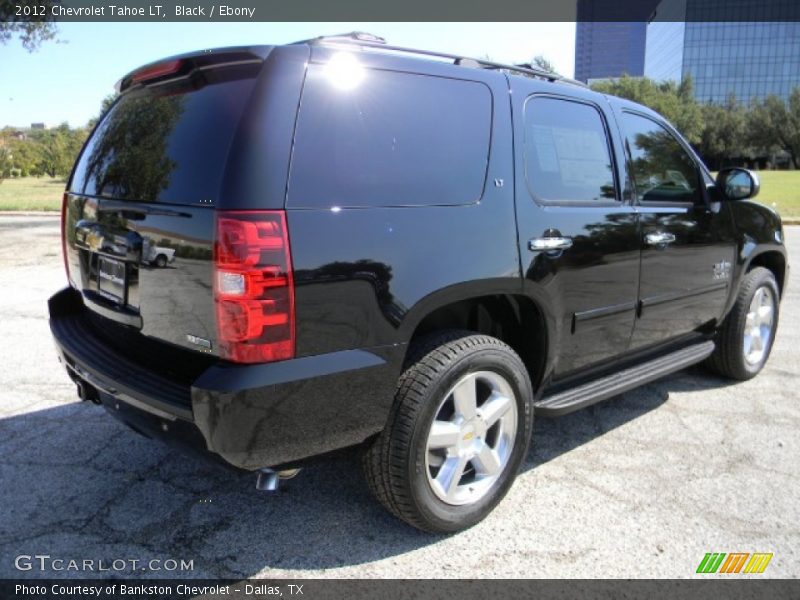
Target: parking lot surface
x,y
640,486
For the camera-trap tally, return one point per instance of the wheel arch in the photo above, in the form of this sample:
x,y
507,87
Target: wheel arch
x,y
772,260
512,317
760,242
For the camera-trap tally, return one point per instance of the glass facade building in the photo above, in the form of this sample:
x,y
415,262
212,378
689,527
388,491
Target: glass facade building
x,y
605,48
750,59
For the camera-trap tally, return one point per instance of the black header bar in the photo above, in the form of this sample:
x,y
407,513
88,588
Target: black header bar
x,y
229,11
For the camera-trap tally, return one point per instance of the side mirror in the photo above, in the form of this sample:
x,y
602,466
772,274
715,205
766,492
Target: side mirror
x,y
738,184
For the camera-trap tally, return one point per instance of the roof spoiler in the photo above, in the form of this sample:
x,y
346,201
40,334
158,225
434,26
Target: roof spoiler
x,y
177,67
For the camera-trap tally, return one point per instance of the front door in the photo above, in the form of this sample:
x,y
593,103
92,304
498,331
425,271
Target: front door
x,y
579,242
688,248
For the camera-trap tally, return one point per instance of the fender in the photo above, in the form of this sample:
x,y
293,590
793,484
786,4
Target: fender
x,y
759,231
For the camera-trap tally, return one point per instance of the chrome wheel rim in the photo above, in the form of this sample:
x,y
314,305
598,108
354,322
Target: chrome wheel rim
x,y
758,325
471,438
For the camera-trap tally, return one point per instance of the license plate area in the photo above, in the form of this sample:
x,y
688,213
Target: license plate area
x,y
112,279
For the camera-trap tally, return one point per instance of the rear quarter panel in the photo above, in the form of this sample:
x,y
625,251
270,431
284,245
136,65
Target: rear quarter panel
x,y
365,277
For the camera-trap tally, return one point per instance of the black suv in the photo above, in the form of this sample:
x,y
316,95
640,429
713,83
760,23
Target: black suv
x,y
406,251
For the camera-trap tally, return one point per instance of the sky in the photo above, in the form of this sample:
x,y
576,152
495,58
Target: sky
x,y
67,81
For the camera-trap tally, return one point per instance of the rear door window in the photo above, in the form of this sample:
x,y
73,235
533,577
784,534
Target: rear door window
x,y
394,139
567,154
167,143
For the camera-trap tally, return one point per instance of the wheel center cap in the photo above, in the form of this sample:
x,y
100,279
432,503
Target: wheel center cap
x,y
467,434
472,433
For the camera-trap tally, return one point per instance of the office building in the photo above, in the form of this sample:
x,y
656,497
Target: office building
x,y
710,41
605,48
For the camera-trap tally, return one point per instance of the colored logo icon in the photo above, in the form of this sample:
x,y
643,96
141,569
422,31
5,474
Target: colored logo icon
x,y
734,562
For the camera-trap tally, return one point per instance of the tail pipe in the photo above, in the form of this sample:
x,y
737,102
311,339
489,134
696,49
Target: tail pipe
x,y
268,480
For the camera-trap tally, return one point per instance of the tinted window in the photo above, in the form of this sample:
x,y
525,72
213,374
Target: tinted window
x,y
395,139
166,143
662,169
566,152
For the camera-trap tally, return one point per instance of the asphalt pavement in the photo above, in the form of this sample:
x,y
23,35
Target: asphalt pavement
x,y
641,486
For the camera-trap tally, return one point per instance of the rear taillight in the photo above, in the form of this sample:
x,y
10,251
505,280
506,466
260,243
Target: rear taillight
x,y
64,204
253,286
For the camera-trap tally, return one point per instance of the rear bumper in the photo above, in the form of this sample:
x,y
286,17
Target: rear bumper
x,y
250,416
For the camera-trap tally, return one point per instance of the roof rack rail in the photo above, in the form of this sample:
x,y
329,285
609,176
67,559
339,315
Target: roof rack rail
x,y
368,40
352,36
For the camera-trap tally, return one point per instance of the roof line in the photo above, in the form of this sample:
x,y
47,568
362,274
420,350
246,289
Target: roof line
x,y
366,40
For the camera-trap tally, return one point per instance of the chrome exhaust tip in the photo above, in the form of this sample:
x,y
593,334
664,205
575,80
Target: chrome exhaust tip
x,y
267,480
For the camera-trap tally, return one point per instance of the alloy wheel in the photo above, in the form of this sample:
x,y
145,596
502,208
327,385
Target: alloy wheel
x,y
758,325
471,438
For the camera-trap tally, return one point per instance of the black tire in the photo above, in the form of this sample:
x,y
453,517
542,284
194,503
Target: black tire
x,y
395,465
161,261
728,358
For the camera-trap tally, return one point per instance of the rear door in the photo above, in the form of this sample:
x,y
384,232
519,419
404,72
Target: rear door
x,y
150,177
687,243
579,241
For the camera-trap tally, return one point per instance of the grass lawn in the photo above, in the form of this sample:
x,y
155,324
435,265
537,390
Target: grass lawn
x,y
779,189
31,193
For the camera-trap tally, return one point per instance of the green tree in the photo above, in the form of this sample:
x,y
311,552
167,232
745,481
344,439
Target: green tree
x,y
544,64
26,156
32,29
773,124
53,152
5,160
104,106
76,138
58,149
130,158
724,132
675,101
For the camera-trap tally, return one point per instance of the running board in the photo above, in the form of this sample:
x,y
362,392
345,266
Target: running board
x,y
621,381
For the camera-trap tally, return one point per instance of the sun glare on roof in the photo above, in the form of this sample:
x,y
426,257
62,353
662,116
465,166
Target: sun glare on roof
x,y
344,71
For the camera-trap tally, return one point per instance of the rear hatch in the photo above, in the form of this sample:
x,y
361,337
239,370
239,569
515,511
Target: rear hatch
x,y
139,211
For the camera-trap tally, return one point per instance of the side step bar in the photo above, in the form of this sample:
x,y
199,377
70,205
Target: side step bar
x,y
621,381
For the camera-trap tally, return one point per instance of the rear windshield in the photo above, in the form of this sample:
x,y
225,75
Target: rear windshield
x,y
167,143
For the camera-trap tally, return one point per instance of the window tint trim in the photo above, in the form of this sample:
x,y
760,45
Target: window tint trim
x,y
606,129
701,183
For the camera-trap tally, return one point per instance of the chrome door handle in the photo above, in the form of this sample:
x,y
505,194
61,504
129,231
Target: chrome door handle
x,y
549,244
659,238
